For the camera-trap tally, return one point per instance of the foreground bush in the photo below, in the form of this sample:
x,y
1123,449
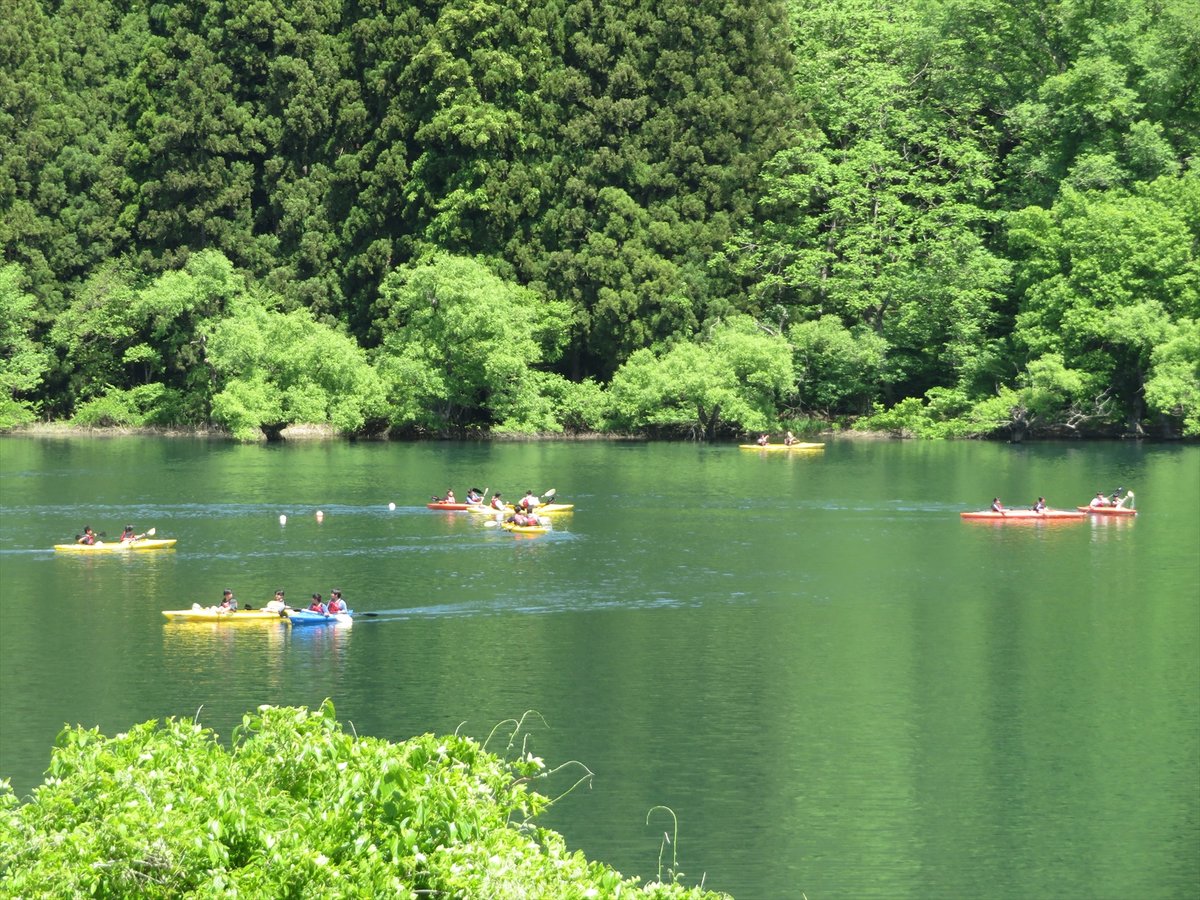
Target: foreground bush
x,y
297,808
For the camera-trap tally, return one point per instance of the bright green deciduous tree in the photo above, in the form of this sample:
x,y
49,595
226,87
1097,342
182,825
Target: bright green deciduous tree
x,y
23,360
1103,278
1173,388
732,379
461,346
279,369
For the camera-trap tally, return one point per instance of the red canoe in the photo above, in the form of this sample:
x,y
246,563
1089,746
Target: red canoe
x,y
1025,515
1107,510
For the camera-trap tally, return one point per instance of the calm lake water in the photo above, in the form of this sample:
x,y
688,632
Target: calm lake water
x,y
838,686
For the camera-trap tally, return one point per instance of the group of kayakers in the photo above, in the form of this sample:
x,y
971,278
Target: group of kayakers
x,y
90,537
788,439
279,602
1118,499
475,496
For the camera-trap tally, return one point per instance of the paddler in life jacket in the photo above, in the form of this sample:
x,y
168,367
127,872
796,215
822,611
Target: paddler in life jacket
x,y
336,603
997,506
497,503
88,536
316,606
530,501
127,535
277,604
228,601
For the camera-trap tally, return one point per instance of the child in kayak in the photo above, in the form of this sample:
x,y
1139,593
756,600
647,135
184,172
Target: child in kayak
x,y
316,606
127,535
88,536
228,601
336,603
276,604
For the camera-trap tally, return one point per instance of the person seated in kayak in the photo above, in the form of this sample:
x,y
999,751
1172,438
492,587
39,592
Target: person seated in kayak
x,y
1099,499
316,606
1040,506
789,439
277,603
997,506
474,495
497,503
1116,497
1120,504
88,536
530,501
127,535
336,603
763,440
228,601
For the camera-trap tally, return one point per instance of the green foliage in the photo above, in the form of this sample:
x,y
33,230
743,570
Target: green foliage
x,y
297,808
144,405
837,368
1173,388
730,380
927,197
277,369
461,347
23,360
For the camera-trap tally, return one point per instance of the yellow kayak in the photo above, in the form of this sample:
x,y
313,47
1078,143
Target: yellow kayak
x,y
215,614
796,446
118,547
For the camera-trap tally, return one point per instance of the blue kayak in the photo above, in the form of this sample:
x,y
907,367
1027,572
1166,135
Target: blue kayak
x,y
308,617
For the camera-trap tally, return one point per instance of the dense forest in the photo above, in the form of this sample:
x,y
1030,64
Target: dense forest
x,y
676,218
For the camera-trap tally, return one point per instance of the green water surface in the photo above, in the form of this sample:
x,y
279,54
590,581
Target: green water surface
x,y
839,687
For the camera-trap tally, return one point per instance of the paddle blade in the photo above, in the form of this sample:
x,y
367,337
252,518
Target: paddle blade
x,y
150,533
549,495
490,523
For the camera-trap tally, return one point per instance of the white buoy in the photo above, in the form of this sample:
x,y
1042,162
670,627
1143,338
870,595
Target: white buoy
x,y
391,506
320,516
283,520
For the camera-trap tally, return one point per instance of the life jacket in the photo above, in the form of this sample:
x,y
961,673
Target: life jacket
x,y
88,539
336,606
316,607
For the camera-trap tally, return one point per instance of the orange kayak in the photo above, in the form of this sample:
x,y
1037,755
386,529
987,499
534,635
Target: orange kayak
x,y
1025,515
1107,510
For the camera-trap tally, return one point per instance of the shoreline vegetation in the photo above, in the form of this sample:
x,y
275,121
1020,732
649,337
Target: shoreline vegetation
x,y
928,218
315,432
297,806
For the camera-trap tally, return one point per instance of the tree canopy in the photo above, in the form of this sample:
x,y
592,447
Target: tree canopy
x,y
932,203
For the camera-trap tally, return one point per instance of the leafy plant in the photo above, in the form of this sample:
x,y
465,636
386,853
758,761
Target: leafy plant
x,y
296,807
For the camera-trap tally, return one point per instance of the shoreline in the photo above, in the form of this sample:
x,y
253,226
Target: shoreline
x,y
306,433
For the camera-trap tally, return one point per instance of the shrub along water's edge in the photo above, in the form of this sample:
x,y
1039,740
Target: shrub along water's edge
x,y
297,807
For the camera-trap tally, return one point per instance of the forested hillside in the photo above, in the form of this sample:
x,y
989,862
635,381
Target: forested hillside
x,y
680,217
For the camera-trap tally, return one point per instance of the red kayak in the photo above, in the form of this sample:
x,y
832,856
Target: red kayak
x,y
1025,515
1107,510
441,504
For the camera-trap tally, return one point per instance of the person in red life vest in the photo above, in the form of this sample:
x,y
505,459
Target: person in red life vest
x,y
997,506
497,503
228,601
127,535
529,501
316,606
336,603
88,536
